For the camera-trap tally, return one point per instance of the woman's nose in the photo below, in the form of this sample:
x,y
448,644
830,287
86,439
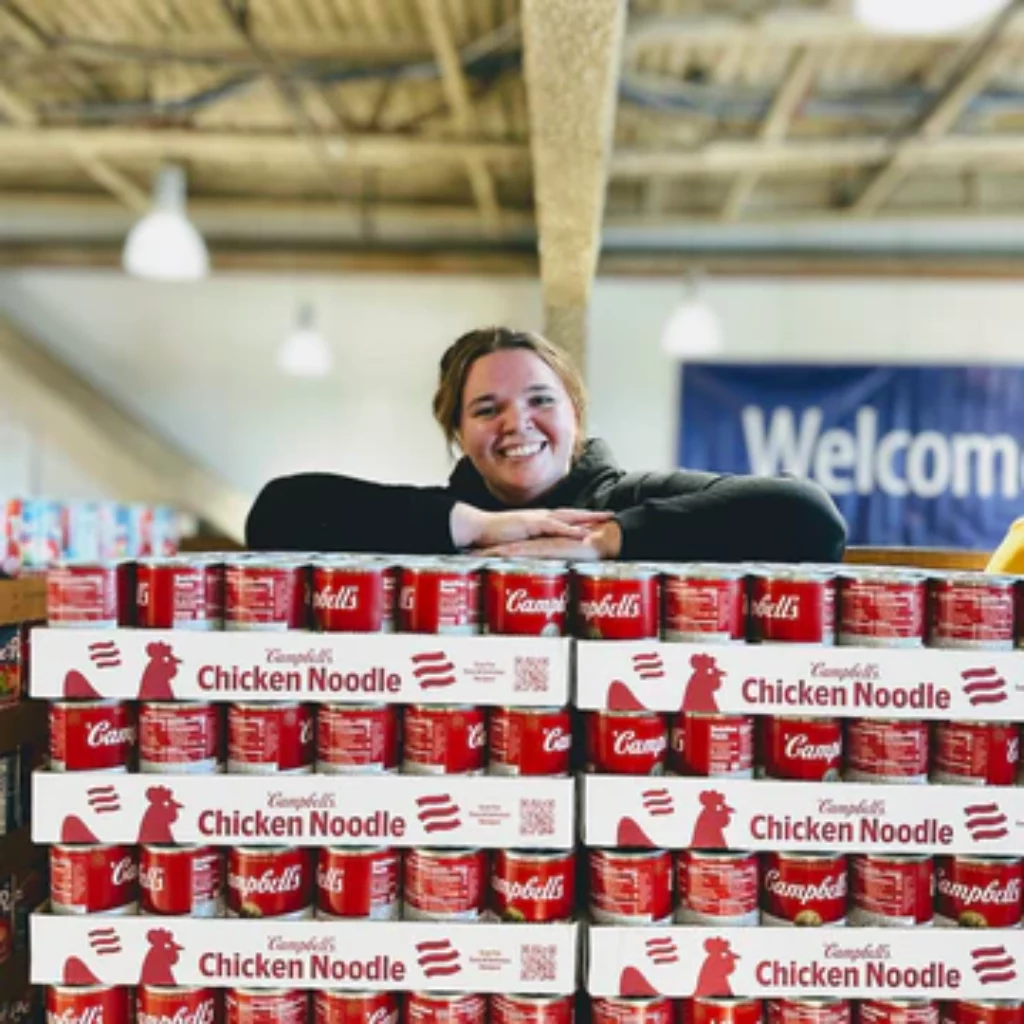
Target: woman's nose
x,y
515,418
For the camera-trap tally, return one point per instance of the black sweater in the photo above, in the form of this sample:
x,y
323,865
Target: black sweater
x,y
682,516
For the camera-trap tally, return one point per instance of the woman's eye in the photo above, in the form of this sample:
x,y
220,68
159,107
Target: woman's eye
x,y
484,411
541,400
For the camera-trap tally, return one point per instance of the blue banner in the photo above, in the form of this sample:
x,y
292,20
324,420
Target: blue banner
x,y
913,455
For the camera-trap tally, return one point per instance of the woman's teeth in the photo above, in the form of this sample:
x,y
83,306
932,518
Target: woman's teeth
x,y
522,451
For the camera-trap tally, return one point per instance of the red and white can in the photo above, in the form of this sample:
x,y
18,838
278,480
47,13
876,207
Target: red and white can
x,y
632,1010
270,881
93,880
978,892
444,885
808,1011
806,889
630,886
88,1004
625,742
266,1006
442,739
83,594
881,607
530,741
891,890
267,739
534,885
792,605
357,739
617,601
516,1009
179,593
357,882
801,749
972,610
445,1008
440,595
353,594
91,735
713,746
723,1010
983,1011
526,598
897,1011
703,604
976,753
266,594
886,750
179,737
717,887
335,1006
181,881
158,1004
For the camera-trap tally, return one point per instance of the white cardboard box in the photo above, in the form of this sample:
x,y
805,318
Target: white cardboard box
x,y
848,963
744,814
304,954
799,679
399,668
315,810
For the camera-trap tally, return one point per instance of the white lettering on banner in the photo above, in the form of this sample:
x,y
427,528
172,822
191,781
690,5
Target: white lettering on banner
x,y
898,463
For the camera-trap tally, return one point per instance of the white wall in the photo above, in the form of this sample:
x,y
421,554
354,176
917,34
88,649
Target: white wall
x,y
196,361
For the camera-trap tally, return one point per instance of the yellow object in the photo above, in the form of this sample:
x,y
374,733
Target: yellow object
x,y
1009,556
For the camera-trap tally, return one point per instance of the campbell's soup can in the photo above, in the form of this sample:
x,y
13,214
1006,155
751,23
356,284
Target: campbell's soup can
x,y
357,739
882,607
336,1006
268,739
804,889
440,595
534,885
617,601
266,1006
791,604
983,1011
801,749
886,750
526,598
88,1004
266,594
972,611
91,735
444,885
181,881
83,595
180,737
891,890
897,1011
270,881
712,745
159,1004
179,593
632,1010
976,753
357,882
630,887
352,594
625,742
717,887
442,739
808,1011
703,604
530,741
93,879
978,892
507,1008
445,1008
723,1009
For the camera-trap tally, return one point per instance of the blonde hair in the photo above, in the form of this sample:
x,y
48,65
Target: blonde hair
x,y
465,351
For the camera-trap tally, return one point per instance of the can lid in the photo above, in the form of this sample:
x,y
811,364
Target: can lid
x,y
882,573
616,570
703,570
969,578
528,567
794,573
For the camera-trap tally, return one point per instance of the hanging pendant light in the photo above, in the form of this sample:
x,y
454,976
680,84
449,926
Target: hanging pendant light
x,y
693,329
305,352
925,17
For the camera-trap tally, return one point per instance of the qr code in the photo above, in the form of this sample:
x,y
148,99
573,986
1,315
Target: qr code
x,y
536,817
531,675
538,963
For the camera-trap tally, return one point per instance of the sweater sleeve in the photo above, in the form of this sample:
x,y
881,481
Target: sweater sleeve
x,y
697,516
324,512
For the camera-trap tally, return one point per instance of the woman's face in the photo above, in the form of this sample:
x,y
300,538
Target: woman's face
x,y
518,424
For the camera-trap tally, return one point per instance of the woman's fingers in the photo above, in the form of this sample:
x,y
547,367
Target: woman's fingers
x,y
582,515
552,526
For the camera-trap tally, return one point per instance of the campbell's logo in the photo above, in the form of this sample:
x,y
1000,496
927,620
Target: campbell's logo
x,y
628,606
627,742
806,892
344,599
269,883
969,894
532,889
382,1015
103,734
477,736
786,607
90,1015
407,599
306,732
555,740
124,871
153,878
330,880
800,748
204,1013
519,602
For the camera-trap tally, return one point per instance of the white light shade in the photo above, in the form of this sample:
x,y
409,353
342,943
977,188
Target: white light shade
x,y
693,329
305,352
164,245
924,17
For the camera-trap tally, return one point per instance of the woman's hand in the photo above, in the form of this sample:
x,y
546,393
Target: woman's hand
x,y
600,543
473,528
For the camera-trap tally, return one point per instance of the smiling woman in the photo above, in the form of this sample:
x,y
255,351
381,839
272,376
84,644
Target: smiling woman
x,y
530,484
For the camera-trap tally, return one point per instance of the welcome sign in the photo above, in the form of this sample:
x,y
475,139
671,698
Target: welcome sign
x,y
912,455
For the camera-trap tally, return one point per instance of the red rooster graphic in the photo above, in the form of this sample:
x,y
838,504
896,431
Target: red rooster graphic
x,y
157,675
